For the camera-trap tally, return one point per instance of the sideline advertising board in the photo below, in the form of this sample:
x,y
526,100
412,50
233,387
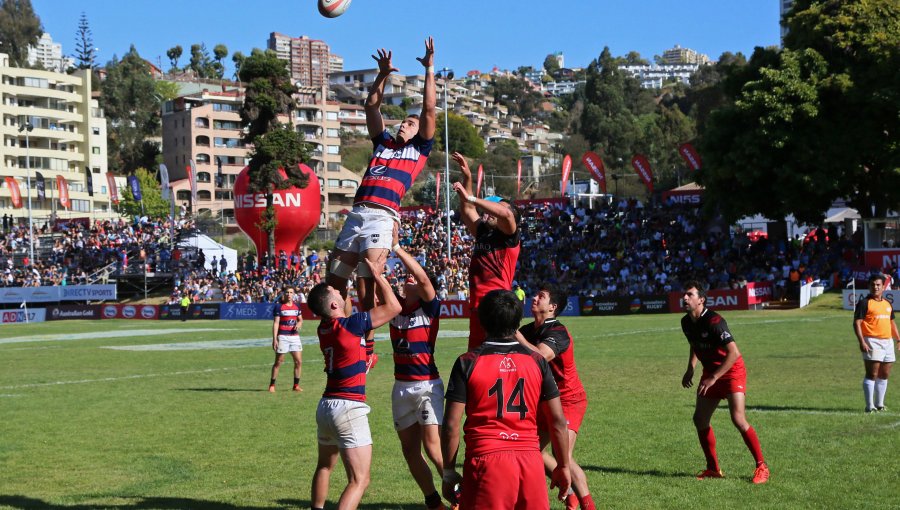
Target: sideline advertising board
x,y
146,312
20,316
52,294
73,312
616,305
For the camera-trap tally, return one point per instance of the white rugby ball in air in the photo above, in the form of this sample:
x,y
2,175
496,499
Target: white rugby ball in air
x,y
333,8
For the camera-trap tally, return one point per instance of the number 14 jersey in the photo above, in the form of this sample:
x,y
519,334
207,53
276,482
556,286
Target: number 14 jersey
x,y
502,384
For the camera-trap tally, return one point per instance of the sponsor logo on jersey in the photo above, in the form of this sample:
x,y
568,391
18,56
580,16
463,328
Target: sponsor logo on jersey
x,y
507,365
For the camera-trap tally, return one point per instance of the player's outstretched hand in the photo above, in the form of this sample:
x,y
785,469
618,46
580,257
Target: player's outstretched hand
x,y
463,164
561,478
428,60
688,379
460,190
384,62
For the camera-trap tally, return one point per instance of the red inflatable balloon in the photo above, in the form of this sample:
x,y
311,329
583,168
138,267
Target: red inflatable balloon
x,y
297,212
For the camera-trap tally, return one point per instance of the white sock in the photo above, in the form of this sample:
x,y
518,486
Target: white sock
x,y
868,391
880,390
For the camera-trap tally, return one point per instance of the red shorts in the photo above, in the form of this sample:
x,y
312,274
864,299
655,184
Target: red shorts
x,y
573,410
476,332
507,480
734,381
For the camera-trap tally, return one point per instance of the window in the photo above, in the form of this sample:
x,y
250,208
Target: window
x,y
226,124
334,133
203,177
331,115
224,195
334,149
96,130
334,167
95,150
202,141
81,205
183,195
95,170
202,158
204,195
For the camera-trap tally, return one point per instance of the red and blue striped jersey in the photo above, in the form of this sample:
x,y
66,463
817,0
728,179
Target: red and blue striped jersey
x,y
413,334
343,344
392,170
289,318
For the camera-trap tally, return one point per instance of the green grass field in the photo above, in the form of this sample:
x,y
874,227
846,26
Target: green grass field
x,y
145,425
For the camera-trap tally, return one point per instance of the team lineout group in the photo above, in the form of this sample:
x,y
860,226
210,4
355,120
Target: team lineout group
x,y
518,387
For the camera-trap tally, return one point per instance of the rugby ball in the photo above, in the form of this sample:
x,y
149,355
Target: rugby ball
x,y
333,8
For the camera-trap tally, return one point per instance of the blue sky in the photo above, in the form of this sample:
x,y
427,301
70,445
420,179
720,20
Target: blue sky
x,y
468,34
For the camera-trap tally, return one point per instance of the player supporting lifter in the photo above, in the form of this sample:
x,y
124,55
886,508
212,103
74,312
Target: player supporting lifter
x,y
395,164
723,376
876,331
418,396
286,336
496,248
502,387
547,336
341,417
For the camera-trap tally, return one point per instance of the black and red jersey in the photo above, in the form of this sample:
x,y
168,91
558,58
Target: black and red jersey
x,y
343,345
288,318
556,336
709,337
493,265
502,384
413,335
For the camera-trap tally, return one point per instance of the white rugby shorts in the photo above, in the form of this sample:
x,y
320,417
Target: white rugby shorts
x,y
343,423
880,349
417,402
367,228
289,343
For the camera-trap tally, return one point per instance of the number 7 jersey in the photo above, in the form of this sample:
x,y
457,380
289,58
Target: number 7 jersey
x,y
502,384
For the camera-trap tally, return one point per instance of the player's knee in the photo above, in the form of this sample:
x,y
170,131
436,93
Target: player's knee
x,y
340,269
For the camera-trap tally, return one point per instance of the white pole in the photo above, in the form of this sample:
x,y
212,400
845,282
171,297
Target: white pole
x,y
27,128
444,73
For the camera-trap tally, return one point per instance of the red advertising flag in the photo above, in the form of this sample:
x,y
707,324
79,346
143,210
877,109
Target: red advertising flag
x,y
113,190
14,194
567,167
690,155
437,190
642,167
519,178
595,165
63,191
480,178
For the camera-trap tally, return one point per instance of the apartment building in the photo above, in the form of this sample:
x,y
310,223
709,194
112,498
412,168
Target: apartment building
x,y
49,54
67,139
206,127
309,60
655,76
679,55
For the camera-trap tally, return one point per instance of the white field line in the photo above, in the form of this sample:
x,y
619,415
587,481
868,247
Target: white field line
x,y
894,425
131,377
244,343
730,323
811,412
125,333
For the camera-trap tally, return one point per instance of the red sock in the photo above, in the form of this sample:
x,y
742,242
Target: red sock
x,y
708,443
587,503
753,444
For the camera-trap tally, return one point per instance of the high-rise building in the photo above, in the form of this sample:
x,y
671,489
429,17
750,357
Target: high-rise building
x,y
49,54
679,55
67,139
786,6
309,60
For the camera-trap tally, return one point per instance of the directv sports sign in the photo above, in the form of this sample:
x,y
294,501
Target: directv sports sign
x,y
53,294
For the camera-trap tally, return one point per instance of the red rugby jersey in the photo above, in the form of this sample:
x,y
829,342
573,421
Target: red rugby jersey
x,y
392,170
493,265
555,336
413,335
709,338
501,383
289,315
343,345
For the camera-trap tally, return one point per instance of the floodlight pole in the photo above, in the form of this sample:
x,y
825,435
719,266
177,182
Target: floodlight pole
x,y
447,75
26,128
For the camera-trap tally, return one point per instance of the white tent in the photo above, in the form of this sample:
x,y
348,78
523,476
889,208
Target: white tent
x,y
212,249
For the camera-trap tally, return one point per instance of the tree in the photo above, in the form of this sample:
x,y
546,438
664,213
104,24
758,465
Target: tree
x,y
517,95
85,52
132,107
393,112
20,28
500,166
174,53
200,62
814,122
167,90
551,64
237,58
464,138
276,146
633,58
154,204
220,51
